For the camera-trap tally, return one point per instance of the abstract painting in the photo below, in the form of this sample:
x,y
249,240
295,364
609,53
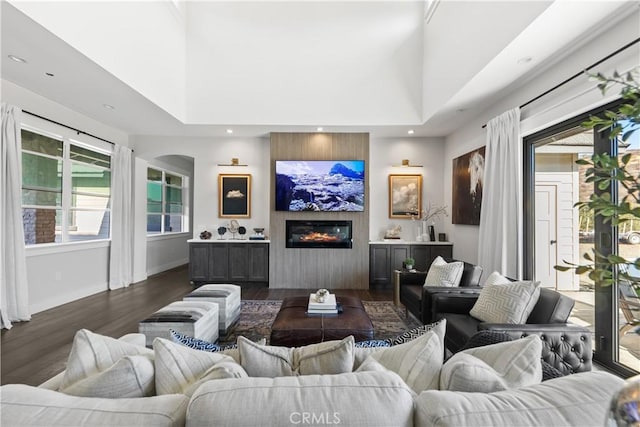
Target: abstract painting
x,y
468,177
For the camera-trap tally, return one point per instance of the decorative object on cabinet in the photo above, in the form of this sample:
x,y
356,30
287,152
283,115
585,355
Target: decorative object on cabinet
x,y
393,232
221,231
205,235
234,195
468,172
258,234
426,231
432,233
233,228
242,231
442,237
405,196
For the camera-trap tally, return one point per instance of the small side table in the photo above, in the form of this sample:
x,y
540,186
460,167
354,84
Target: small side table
x,y
396,287
396,284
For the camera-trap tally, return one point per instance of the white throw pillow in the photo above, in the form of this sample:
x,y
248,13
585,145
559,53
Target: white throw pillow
x,y
180,369
326,358
506,303
131,376
442,273
93,353
496,278
418,362
495,367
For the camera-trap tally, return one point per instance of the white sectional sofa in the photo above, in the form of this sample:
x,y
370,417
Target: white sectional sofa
x,y
331,383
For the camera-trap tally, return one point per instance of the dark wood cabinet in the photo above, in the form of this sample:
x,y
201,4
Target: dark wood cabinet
x,y
384,258
228,262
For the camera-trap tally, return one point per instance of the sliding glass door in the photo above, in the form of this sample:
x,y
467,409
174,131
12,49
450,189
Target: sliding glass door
x,y
557,232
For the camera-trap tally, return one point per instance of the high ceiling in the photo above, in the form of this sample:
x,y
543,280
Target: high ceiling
x,y
202,67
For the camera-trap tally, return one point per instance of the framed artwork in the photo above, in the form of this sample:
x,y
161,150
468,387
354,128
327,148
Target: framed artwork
x,y
468,177
234,195
405,196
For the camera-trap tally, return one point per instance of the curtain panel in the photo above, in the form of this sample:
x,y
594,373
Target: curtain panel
x,y
14,295
501,218
121,252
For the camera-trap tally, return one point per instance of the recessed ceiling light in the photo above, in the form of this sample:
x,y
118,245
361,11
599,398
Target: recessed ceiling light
x,y
18,59
525,60
49,74
229,130
109,107
410,132
319,129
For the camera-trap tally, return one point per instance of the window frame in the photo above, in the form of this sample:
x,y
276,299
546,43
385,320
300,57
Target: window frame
x,y
65,208
606,305
184,214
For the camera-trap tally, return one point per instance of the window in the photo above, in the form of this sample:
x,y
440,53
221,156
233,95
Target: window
x,y
557,232
66,189
166,192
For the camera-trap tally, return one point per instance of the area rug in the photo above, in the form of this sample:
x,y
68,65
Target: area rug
x,y
256,317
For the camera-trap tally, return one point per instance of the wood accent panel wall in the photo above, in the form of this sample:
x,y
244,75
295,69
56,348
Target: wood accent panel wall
x,y
319,268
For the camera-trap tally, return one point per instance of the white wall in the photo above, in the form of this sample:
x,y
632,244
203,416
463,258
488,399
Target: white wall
x,y
63,273
140,42
383,153
373,75
207,154
564,103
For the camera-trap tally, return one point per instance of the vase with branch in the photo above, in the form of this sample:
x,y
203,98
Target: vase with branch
x,y
427,220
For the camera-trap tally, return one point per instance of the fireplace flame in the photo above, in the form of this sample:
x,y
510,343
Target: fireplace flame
x,y
314,236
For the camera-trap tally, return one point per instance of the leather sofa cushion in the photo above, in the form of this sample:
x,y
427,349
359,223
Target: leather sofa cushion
x,y
372,398
552,307
460,327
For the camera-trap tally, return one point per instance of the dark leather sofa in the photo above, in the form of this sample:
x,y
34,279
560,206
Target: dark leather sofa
x,y
417,299
566,346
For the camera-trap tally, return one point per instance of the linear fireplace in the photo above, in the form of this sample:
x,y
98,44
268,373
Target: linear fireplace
x,y
319,234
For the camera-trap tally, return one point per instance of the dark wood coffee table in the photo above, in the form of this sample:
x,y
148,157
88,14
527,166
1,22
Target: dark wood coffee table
x,y
293,327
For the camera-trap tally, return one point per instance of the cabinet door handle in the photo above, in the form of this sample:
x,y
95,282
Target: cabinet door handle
x,y
553,242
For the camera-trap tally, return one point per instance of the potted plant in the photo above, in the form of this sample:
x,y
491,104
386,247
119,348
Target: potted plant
x,y
606,172
409,263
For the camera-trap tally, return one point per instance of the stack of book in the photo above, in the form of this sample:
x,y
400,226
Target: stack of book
x,y
329,305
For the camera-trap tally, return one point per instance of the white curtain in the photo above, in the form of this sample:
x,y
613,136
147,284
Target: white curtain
x,y
120,260
500,240
14,295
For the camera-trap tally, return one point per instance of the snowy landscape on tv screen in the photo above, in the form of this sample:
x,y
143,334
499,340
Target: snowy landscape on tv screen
x,y
323,186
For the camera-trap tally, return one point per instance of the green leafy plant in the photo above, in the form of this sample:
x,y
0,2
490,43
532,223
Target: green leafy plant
x,y
607,172
410,261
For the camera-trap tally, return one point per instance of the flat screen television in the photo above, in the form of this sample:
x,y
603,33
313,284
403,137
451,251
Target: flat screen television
x,y
320,185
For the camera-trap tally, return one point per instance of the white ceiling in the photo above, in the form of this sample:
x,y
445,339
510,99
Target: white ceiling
x,y
261,67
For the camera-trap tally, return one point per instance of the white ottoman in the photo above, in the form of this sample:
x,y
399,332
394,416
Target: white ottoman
x,y
198,319
226,296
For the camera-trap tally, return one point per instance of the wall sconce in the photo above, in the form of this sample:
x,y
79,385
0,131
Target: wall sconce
x,y
234,162
406,164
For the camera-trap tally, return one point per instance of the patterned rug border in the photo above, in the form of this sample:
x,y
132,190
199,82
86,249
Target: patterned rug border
x,y
256,317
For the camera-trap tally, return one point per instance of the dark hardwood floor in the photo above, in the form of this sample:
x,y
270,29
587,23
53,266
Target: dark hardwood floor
x,y
32,352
